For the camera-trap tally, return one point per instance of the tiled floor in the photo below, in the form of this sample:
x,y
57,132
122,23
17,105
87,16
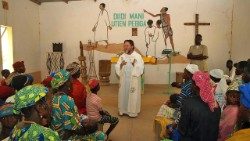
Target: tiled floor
x,y
141,127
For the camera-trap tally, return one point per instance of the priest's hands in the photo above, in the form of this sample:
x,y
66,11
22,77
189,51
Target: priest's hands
x,y
125,63
122,64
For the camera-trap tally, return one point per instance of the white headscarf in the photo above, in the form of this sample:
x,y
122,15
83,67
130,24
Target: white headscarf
x,y
217,73
222,85
192,68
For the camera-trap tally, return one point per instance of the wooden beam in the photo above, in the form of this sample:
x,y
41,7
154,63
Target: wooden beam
x,y
36,1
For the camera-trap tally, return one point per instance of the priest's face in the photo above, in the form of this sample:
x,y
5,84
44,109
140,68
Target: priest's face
x,y
127,47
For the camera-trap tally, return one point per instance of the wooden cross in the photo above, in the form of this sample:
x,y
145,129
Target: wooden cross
x,y
196,24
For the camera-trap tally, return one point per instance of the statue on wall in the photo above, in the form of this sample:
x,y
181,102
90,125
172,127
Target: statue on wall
x,y
166,25
102,26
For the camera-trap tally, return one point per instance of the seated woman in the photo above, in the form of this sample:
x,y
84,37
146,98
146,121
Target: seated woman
x,y
19,68
244,114
220,83
78,90
65,116
229,116
200,115
30,102
8,121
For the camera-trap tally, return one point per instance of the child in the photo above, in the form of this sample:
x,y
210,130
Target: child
x,y
168,110
229,114
170,113
94,107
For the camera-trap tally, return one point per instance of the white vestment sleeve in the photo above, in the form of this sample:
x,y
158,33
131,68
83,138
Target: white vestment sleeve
x,y
138,67
117,66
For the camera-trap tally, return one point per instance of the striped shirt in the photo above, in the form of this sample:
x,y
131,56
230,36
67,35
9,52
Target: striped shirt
x,y
94,106
185,92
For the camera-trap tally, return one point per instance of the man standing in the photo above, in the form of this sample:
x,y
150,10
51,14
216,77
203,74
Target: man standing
x,y
129,68
102,25
198,54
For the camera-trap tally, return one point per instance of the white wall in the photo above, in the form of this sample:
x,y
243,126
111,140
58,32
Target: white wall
x,y
70,23
241,30
23,16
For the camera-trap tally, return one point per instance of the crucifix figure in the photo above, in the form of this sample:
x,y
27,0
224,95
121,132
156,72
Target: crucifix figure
x,y
196,24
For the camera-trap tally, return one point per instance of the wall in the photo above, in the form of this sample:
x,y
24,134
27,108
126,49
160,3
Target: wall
x,y
71,23
241,30
23,16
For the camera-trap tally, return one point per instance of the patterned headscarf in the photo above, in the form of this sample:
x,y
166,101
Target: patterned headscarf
x,y
18,64
6,110
202,80
73,68
60,78
28,96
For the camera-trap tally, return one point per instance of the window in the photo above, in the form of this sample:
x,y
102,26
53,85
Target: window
x,y
6,50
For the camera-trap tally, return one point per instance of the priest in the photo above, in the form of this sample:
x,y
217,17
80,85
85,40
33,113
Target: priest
x,y
129,68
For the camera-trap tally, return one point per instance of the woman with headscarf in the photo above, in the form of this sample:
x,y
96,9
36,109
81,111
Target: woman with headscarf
x,y
78,90
19,68
65,117
8,120
200,115
30,102
220,84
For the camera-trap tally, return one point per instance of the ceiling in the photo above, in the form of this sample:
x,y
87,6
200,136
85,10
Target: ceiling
x,y
42,1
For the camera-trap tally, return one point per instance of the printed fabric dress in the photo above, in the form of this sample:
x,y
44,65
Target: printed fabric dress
x,y
32,131
65,116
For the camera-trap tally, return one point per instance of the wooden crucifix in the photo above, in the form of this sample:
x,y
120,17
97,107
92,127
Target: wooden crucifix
x,y
196,24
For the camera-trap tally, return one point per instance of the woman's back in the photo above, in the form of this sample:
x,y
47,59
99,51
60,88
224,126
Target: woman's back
x,y
197,122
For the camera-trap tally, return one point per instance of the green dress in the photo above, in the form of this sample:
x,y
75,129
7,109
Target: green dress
x,y
65,116
32,131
